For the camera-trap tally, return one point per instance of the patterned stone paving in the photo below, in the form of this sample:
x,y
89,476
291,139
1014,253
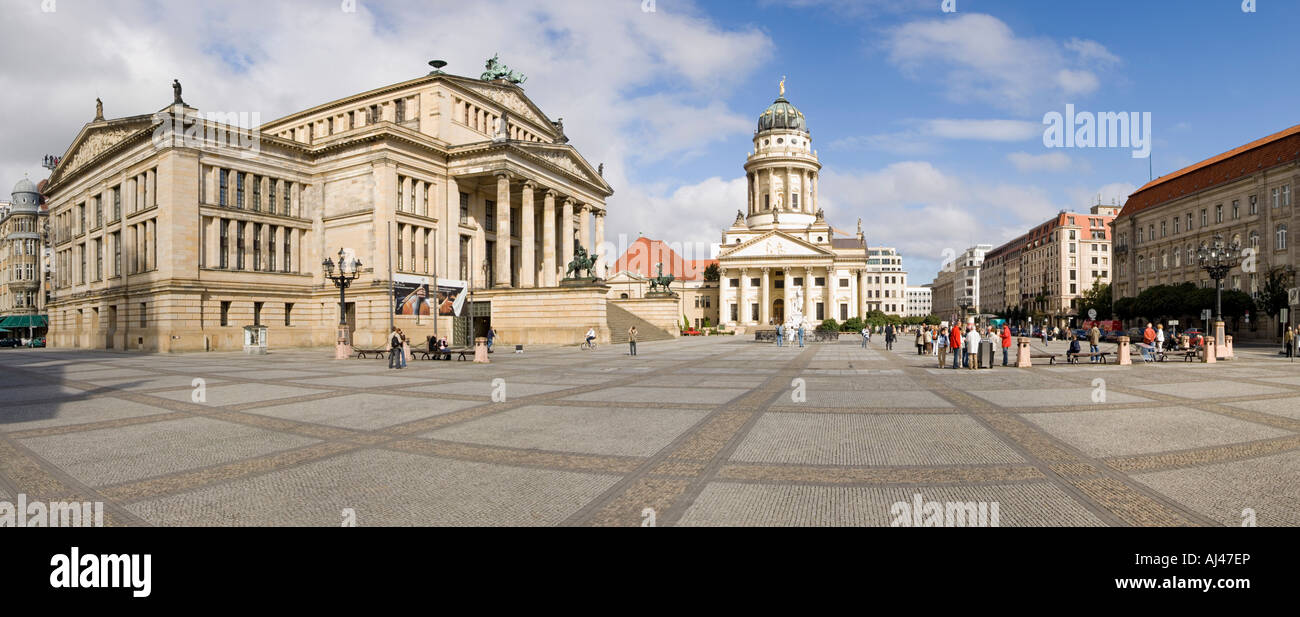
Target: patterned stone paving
x,y
716,431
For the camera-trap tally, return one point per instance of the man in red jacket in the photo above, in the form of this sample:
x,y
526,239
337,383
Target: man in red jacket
x,y
955,341
1006,342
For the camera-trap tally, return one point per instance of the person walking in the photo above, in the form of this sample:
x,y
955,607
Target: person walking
x,y
890,335
954,341
1288,340
866,336
1094,343
394,348
406,347
492,337
941,347
1160,337
780,335
801,329
631,341
1006,344
972,355
920,342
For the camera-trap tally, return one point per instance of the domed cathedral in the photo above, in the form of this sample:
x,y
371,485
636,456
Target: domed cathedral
x,y
781,262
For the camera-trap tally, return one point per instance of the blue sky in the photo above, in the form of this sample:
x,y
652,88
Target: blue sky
x,y
928,124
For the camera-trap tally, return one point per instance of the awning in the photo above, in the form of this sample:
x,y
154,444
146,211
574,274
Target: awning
x,y
24,321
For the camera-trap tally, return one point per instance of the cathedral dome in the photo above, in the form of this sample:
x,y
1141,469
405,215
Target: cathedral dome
x,y
781,114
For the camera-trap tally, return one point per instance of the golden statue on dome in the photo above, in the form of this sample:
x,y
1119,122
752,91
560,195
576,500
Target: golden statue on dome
x,y
783,86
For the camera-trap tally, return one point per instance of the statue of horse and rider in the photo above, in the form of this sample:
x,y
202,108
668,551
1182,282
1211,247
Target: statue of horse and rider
x,y
659,284
582,262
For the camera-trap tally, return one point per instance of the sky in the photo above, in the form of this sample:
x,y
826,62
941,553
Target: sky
x,y
929,123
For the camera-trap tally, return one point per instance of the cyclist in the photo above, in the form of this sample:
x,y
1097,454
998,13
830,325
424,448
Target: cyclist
x,y
591,336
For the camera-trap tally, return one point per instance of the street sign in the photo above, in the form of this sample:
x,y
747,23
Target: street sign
x,y
1173,322
1205,315
1092,314
1285,313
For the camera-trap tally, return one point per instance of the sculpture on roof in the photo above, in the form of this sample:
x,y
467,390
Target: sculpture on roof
x,y
494,69
99,109
176,92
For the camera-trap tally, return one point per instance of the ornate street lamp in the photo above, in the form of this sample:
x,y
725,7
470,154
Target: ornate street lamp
x,y
348,271
1217,260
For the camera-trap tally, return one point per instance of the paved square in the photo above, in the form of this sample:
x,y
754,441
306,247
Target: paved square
x,y
703,431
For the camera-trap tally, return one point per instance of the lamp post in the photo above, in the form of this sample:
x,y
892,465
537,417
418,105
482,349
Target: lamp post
x,y
1217,260
348,271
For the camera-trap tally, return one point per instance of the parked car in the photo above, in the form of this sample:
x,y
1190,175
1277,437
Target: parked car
x,y
10,342
36,343
1113,336
692,332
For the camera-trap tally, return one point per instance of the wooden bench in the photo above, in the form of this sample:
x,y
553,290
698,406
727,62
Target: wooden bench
x,y
1073,358
1190,355
1050,356
377,353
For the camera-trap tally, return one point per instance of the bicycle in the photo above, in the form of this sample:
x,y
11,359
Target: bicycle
x,y
588,345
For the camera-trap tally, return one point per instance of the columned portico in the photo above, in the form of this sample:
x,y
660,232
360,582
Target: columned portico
x,y
764,298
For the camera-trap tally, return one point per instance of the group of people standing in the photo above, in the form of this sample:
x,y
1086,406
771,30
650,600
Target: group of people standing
x,y
965,343
782,332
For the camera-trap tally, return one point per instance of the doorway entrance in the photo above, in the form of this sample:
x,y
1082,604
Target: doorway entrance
x,y
778,311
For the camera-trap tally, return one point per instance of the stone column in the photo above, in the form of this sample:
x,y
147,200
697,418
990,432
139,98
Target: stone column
x,y
815,192
789,191
862,293
527,257
450,228
764,298
785,293
501,277
749,191
599,243
566,234
741,313
828,293
809,311
584,226
806,188
549,267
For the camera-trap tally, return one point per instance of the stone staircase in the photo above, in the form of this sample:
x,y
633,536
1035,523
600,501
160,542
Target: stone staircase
x,y
619,319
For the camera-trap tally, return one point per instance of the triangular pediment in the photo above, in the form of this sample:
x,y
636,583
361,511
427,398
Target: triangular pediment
x,y
567,159
97,138
509,98
775,244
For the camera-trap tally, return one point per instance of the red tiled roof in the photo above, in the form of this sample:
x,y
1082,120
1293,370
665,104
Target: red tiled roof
x,y
1276,149
645,255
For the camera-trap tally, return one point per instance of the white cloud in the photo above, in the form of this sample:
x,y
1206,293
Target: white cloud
x,y
979,57
633,87
924,211
922,135
1051,161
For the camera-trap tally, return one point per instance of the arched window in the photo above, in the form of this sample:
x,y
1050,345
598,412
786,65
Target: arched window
x,y
1142,260
1164,260
1280,238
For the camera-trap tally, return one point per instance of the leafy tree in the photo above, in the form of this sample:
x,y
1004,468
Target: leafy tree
x,y
712,273
1273,295
1098,298
829,325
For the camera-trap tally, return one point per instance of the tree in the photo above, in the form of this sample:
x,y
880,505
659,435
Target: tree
x,y
712,273
1273,295
1098,298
